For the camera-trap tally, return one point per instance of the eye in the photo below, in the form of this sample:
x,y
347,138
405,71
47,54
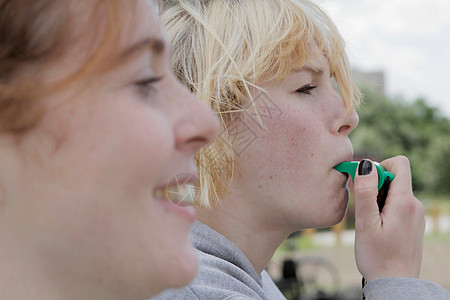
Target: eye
x,y
306,89
146,86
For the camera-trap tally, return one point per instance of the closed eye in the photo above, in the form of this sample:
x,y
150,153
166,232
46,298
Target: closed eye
x,y
145,86
306,89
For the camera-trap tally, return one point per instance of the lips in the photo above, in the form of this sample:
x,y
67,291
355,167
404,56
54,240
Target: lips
x,y
180,194
348,157
180,190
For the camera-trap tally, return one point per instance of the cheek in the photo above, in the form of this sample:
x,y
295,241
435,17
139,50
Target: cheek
x,y
121,145
294,140
103,172
141,152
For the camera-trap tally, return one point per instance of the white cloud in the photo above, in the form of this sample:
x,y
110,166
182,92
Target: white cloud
x,y
408,39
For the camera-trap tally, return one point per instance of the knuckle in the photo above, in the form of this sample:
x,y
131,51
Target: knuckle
x,y
413,207
420,208
365,228
364,191
410,206
403,160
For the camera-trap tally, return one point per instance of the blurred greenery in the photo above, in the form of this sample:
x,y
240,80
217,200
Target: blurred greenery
x,y
392,126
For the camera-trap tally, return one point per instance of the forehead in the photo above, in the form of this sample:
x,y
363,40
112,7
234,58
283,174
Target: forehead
x,y
100,42
145,29
130,30
315,59
146,19
146,33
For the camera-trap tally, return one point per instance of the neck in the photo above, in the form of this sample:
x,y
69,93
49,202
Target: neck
x,y
248,226
29,281
20,277
25,275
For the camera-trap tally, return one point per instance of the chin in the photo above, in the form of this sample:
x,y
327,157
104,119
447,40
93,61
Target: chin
x,y
328,220
337,213
338,218
185,267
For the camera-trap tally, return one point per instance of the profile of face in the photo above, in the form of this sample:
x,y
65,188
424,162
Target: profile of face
x,y
289,166
82,198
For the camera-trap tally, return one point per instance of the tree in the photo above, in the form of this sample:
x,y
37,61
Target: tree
x,y
391,126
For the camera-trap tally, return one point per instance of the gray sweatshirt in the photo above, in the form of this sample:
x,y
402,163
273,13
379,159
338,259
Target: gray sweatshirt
x,y
225,273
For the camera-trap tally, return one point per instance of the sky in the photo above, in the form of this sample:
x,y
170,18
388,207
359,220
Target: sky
x,y
407,39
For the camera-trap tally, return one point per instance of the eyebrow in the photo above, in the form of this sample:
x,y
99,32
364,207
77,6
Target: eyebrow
x,y
316,69
156,46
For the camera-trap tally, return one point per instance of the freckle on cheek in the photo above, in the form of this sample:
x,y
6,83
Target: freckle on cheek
x,y
312,154
271,177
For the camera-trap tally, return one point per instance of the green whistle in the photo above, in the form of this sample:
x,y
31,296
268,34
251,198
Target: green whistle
x,y
349,167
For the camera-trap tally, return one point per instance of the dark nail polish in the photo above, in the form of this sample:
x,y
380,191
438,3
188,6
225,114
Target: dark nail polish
x,y
365,167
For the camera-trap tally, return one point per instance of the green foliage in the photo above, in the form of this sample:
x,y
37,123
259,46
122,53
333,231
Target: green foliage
x,y
439,166
390,127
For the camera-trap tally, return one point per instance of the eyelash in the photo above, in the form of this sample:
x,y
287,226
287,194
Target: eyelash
x,y
145,86
306,89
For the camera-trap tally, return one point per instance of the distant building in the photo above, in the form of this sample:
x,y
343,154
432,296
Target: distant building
x,y
375,79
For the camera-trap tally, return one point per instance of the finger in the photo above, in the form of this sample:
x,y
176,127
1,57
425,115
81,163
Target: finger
x,y
400,167
365,191
400,202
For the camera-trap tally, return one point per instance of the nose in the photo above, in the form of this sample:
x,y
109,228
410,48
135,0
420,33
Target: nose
x,y
349,122
197,125
345,118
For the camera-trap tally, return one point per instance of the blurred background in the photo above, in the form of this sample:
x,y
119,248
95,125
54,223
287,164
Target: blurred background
x,y
399,52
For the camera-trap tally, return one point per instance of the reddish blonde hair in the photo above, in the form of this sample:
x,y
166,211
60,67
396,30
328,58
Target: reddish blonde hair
x,y
35,34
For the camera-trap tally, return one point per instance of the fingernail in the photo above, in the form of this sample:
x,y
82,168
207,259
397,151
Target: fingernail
x,y
365,167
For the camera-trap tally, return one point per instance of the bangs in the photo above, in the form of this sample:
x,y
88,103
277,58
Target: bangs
x,y
302,26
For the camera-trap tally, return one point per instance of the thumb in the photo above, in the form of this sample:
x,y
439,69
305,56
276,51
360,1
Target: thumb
x,y
365,191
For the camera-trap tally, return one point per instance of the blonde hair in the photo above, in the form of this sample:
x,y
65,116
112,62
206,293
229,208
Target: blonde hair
x,y
222,48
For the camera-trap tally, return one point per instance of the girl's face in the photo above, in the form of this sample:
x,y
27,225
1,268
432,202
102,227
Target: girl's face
x,y
289,167
86,183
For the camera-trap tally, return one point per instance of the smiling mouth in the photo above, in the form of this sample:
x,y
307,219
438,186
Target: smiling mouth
x,y
180,194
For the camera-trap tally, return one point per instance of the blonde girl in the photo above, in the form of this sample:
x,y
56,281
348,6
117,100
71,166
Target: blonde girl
x,y
267,67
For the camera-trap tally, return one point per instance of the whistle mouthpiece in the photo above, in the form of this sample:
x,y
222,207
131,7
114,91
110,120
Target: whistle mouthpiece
x,y
349,167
